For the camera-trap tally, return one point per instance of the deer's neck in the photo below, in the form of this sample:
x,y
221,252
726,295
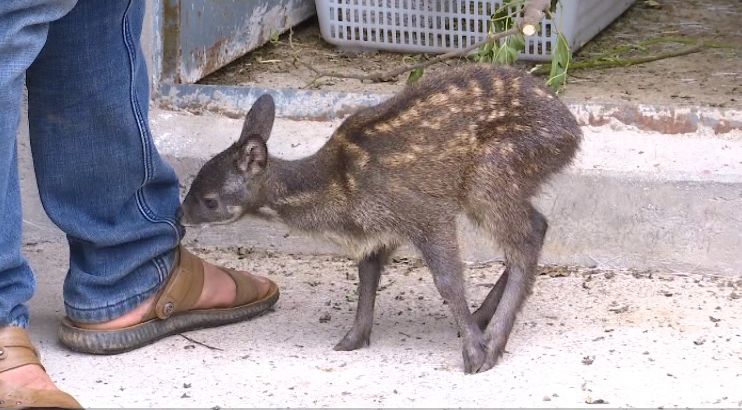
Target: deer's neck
x,y
300,191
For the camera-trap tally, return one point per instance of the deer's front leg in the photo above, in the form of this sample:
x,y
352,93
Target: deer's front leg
x,y
369,272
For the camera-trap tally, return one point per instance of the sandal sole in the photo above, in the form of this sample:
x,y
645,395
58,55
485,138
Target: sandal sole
x,y
109,342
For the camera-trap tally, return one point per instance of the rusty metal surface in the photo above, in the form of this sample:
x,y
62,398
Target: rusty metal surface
x,y
320,105
201,36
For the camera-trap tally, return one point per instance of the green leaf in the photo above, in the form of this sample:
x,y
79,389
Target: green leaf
x,y
501,20
415,75
653,4
517,42
560,61
275,36
504,50
505,55
484,54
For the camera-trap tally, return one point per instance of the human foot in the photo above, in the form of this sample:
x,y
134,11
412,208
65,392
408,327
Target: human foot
x,y
30,376
219,291
23,381
197,295
30,386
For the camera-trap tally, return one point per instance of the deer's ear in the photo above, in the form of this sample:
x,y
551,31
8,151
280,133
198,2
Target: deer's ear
x,y
253,155
259,121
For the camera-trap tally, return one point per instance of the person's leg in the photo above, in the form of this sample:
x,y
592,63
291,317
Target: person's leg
x,y
23,32
101,179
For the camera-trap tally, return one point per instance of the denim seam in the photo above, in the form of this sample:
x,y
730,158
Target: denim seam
x,y
151,290
129,43
142,205
161,269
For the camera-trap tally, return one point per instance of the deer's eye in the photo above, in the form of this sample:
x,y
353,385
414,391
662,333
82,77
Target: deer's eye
x,y
211,203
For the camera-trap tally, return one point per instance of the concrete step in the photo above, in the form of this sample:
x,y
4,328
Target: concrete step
x,y
633,198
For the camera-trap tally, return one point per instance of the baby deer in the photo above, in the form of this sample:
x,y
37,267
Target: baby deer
x,y
477,140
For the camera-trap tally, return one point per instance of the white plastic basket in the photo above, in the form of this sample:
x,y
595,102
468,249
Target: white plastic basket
x,y
438,26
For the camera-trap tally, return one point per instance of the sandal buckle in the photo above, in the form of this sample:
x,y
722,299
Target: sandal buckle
x,y
168,309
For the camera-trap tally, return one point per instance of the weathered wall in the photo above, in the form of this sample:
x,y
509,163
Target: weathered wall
x,y
150,41
185,40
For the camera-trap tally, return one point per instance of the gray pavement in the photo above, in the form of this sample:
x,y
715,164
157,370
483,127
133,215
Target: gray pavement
x,y
625,337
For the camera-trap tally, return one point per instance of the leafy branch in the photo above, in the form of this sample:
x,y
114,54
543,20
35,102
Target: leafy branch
x,y
615,58
533,12
507,51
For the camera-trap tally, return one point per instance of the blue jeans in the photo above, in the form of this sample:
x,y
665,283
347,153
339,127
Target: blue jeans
x,y
99,175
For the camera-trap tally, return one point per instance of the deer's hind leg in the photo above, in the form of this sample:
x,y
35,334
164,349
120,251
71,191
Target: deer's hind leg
x,y
440,250
487,309
519,229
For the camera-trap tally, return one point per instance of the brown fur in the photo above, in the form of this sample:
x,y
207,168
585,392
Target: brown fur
x,y
476,140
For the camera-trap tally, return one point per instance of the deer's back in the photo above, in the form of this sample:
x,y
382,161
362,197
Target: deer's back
x,y
434,136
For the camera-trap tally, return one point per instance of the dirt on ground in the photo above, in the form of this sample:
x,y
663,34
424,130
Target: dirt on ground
x,y
711,77
586,337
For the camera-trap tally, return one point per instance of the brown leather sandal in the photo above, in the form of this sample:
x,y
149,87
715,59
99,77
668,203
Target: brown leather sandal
x,y
16,350
173,311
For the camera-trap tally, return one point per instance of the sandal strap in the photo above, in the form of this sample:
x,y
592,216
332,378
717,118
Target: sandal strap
x,y
16,349
245,287
183,288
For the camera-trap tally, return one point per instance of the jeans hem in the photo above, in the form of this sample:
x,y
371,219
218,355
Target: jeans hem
x,y
22,323
163,266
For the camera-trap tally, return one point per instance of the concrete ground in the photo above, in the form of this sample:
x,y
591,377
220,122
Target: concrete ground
x,y
611,338
656,321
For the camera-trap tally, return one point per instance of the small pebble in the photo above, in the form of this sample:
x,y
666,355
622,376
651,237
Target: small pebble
x,y
619,310
596,401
